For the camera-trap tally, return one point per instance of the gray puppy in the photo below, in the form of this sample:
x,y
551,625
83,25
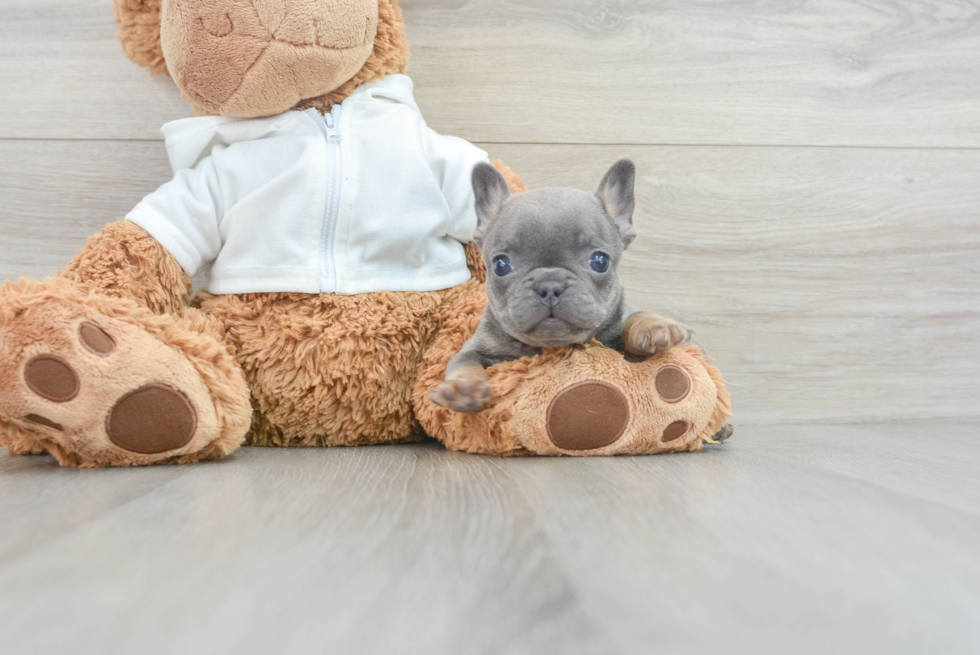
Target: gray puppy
x,y
552,257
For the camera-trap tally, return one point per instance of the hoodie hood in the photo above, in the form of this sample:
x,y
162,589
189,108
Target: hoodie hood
x,y
189,140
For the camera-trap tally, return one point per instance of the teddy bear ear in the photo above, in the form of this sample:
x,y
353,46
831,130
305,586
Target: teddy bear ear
x,y
139,32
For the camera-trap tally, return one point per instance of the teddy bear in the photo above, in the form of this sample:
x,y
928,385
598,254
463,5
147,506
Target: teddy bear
x,y
305,335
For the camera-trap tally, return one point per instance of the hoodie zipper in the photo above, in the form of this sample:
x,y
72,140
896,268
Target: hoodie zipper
x,y
331,208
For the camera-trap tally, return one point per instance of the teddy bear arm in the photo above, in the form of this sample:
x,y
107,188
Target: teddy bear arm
x,y
124,261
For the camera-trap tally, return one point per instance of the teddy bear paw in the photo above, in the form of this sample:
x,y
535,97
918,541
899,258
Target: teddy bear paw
x,y
604,403
96,390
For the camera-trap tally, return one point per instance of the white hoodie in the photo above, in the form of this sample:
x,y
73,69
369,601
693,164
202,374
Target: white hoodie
x,y
364,199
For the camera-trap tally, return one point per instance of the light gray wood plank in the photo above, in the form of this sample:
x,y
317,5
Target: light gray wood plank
x,y
56,194
64,75
934,461
832,72
739,551
34,512
785,539
831,284
409,550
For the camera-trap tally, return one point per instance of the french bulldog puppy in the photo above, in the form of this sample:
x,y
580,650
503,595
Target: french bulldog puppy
x,y
552,257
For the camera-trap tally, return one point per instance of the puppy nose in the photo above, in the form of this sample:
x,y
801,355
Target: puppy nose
x,y
550,292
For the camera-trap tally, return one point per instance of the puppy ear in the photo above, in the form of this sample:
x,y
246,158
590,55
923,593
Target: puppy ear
x,y
616,195
491,192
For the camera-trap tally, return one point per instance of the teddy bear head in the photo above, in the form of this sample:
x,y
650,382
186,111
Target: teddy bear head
x,y
250,58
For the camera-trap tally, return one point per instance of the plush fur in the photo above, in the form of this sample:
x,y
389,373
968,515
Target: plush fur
x,y
140,34
281,369
123,261
329,370
390,56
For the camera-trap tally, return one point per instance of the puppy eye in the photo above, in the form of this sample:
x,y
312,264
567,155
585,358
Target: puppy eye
x,y
502,265
599,262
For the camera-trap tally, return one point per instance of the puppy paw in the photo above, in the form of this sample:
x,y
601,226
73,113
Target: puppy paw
x,y
648,334
725,432
467,391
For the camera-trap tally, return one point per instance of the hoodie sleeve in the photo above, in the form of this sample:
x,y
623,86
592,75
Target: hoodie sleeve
x,y
452,161
184,214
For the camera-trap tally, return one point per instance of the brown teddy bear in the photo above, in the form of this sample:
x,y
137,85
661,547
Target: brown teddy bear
x,y
112,364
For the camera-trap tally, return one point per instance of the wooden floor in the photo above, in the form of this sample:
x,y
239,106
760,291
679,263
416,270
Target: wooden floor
x,y
808,201
816,539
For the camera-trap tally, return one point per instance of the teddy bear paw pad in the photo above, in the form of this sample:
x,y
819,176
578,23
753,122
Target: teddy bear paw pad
x,y
675,431
152,419
51,377
673,384
587,415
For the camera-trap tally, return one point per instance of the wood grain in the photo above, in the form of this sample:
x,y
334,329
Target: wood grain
x,y
45,514
829,283
366,550
736,550
834,72
802,539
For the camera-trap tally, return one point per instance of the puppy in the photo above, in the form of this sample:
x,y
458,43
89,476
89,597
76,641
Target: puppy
x,y
552,257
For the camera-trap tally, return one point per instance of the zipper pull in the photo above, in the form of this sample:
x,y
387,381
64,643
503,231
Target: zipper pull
x,y
333,134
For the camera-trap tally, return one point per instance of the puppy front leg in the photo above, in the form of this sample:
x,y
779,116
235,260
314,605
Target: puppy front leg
x,y
466,387
647,334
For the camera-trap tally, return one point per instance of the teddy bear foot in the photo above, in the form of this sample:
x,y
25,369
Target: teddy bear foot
x,y
672,402
591,401
99,381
